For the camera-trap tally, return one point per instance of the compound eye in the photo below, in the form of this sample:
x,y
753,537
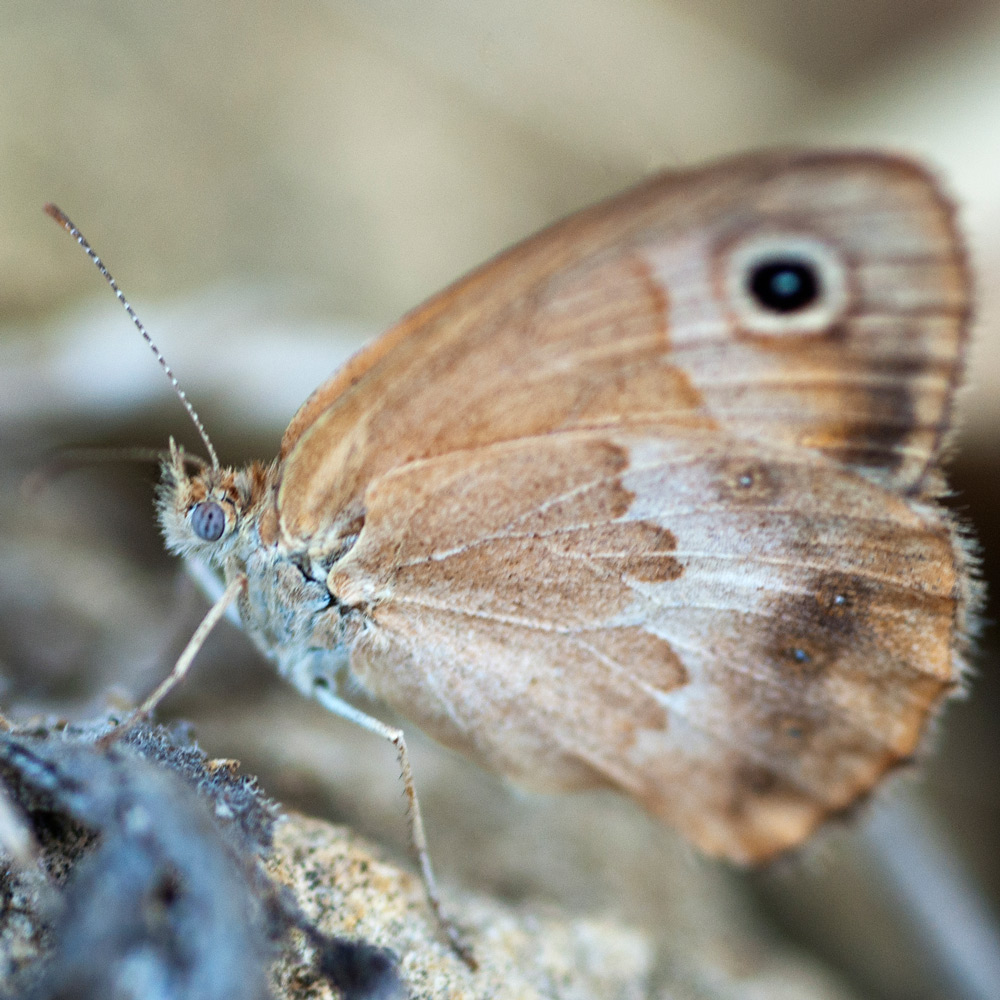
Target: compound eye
x,y
208,520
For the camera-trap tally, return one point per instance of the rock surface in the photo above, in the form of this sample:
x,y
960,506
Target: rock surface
x,y
148,870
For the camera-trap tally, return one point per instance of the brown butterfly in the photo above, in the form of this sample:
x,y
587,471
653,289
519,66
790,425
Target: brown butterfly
x,y
648,502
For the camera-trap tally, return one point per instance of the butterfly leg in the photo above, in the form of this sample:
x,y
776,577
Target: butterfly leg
x,y
321,691
181,667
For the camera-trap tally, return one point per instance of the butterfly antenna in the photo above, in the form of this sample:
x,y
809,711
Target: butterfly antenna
x,y
67,224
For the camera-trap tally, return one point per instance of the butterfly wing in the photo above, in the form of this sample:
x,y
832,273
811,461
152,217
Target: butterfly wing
x,y
742,639
610,518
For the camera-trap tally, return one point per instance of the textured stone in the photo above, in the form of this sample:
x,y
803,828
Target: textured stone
x,y
348,888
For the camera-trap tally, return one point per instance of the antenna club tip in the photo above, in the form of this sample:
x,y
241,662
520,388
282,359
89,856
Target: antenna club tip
x,y
55,212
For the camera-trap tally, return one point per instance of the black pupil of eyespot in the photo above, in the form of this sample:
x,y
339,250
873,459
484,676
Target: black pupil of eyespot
x,y
785,284
208,521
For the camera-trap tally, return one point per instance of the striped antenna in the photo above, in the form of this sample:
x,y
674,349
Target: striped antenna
x,y
67,224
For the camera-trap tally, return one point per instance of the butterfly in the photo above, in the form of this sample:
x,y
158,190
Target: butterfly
x,y
649,502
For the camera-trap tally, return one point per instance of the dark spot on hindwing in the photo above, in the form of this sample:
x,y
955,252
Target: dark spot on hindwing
x,y
810,630
747,482
792,728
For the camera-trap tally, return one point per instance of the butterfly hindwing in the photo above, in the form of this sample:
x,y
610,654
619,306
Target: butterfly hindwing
x,y
743,639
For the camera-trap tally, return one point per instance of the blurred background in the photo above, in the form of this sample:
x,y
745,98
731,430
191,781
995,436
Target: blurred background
x,y
274,183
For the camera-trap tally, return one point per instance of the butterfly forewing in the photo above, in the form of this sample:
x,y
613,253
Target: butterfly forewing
x,y
587,308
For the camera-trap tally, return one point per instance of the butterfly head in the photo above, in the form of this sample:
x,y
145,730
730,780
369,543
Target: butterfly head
x,y
207,510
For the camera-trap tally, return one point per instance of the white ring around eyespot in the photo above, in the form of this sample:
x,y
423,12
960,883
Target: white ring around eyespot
x,y
816,318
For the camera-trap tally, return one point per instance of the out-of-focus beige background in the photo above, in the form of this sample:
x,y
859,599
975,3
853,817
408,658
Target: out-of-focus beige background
x,y
272,183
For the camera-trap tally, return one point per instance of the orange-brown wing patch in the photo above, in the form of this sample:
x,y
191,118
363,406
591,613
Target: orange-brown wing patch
x,y
744,669
585,347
